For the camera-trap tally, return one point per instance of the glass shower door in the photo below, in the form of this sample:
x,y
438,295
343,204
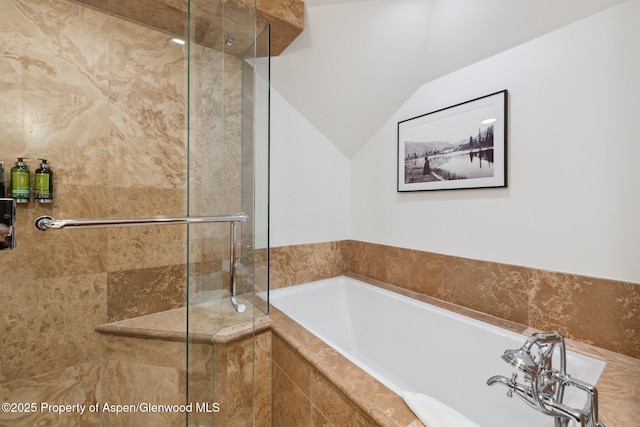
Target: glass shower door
x,y
228,174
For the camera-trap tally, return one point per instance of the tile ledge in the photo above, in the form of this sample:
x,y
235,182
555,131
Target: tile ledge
x,y
465,311
225,335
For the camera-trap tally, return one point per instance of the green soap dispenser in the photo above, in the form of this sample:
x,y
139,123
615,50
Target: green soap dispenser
x,y
43,183
20,181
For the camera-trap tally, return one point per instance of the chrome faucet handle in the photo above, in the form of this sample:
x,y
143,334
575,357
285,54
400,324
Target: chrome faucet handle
x,y
512,383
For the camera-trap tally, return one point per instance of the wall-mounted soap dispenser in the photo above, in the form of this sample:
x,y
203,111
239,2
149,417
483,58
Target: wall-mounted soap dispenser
x,y
7,224
20,187
43,183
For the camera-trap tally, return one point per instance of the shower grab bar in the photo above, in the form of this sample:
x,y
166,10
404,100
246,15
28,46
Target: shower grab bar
x,y
45,223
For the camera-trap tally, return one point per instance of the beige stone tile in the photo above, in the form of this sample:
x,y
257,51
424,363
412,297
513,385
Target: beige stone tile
x,y
73,385
619,391
239,398
262,394
290,405
602,312
262,346
241,355
207,23
369,259
130,383
70,131
291,265
134,293
497,289
206,80
209,244
168,15
286,19
207,175
221,383
145,69
48,324
201,382
201,358
130,248
170,354
12,118
169,325
200,390
292,365
147,148
318,419
56,45
210,322
205,276
416,271
334,405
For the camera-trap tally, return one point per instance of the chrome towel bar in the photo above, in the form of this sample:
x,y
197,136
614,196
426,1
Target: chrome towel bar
x,y
45,223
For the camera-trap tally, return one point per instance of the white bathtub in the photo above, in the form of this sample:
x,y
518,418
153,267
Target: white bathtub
x,y
410,345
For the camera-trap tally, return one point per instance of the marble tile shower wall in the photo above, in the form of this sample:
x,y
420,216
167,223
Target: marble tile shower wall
x,y
104,101
602,312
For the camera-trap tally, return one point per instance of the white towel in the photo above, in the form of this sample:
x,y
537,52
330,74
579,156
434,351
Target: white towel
x,y
434,413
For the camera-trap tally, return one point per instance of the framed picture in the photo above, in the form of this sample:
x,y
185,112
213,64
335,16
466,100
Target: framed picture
x,y
462,146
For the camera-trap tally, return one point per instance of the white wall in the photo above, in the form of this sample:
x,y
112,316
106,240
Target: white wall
x,y
573,201
310,181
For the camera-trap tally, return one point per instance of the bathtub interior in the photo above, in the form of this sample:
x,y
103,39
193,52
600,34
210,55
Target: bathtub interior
x,y
410,345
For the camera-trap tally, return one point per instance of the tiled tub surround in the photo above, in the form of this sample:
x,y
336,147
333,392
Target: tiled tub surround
x,y
601,312
308,372
315,385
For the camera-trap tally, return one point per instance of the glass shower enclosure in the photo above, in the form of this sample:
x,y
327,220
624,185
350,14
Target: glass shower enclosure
x,y
228,173
154,110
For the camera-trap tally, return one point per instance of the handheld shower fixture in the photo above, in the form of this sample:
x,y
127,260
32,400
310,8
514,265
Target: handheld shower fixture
x,y
521,359
543,387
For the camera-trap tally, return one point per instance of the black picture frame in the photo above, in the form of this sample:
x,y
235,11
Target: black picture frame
x,y
463,146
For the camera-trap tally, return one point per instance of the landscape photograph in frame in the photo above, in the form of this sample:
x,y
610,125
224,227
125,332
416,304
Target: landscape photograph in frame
x,y
458,147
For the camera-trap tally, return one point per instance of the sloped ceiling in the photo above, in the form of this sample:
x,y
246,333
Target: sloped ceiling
x,y
357,61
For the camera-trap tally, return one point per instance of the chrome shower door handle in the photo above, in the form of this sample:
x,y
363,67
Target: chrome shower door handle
x,y
238,306
7,224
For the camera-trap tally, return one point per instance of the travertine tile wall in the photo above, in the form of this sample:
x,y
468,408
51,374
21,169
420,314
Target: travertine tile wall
x,y
601,312
292,265
105,101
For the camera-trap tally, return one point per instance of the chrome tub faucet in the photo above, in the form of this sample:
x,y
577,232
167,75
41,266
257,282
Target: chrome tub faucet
x,y
543,387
